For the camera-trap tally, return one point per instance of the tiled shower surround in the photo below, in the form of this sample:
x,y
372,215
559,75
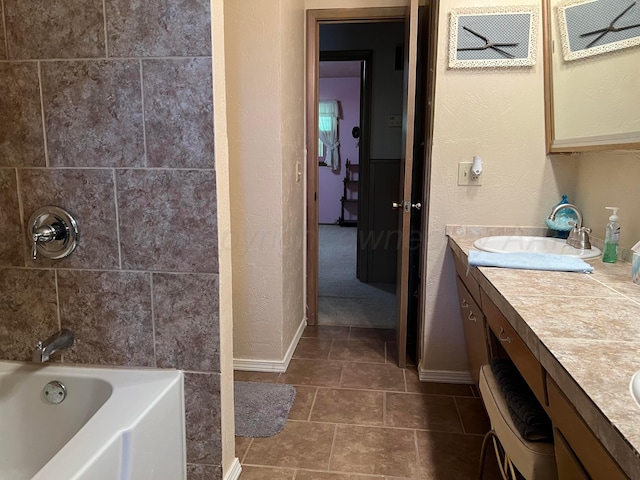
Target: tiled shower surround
x,y
106,110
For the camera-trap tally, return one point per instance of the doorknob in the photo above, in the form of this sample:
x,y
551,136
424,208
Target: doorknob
x,y
396,205
417,206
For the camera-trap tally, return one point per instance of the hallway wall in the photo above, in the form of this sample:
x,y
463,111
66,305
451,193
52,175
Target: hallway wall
x,y
265,101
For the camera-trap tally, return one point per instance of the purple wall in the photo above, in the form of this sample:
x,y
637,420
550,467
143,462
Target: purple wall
x,y
330,188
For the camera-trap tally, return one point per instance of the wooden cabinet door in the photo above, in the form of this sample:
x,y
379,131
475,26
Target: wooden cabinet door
x,y
569,467
475,331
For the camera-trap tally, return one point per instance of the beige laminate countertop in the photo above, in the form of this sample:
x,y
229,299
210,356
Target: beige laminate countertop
x,y
585,331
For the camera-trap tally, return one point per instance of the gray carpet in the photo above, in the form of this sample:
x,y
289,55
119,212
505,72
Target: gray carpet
x,y
342,298
261,409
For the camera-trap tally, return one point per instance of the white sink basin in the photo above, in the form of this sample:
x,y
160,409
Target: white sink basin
x,y
522,243
634,387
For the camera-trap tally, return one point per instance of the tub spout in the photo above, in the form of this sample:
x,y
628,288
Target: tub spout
x,y
61,340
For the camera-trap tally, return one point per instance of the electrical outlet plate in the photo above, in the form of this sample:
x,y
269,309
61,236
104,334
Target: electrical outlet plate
x,y
465,177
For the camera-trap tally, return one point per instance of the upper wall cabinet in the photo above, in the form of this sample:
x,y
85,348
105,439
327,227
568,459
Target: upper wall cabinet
x,y
592,74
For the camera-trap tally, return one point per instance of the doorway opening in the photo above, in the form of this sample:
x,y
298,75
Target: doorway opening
x,y
382,230
358,181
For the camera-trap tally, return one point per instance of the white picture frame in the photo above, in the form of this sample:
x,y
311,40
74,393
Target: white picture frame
x,y
578,16
513,30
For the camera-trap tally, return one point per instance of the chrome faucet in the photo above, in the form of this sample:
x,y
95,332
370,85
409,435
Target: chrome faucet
x,y
579,235
61,340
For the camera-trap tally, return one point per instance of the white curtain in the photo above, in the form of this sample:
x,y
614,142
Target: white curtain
x,y
328,131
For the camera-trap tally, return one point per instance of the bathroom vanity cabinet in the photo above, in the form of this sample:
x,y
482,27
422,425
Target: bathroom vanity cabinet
x,y
580,454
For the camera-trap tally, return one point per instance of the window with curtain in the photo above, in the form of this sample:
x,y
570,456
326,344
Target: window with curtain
x,y
328,111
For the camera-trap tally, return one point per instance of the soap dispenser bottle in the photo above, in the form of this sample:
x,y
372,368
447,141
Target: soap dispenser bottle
x,y
611,237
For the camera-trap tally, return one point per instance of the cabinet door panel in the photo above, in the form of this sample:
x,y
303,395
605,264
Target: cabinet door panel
x,y
519,353
587,448
474,326
469,282
569,467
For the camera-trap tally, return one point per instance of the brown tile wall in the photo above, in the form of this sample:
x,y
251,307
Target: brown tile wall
x,y
107,111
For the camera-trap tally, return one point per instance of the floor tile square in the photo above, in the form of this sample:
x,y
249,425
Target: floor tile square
x,y
473,415
250,472
312,372
307,475
373,377
425,412
348,406
298,445
313,348
372,351
303,402
450,455
325,331
373,450
382,334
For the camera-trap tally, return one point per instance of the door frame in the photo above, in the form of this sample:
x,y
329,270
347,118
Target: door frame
x,y
314,19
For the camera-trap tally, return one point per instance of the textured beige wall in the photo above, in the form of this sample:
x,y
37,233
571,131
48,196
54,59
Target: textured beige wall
x,y
610,179
499,115
265,105
256,177
292,138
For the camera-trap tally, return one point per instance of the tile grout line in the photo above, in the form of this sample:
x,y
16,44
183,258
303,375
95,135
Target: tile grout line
x,y
117,215
384,409
55,277
44,123
144,117
330,349
416,452
455,402
4,26
124,270
404,377
333,444
144,169
388,427
313,403
23,225
246,452
153,321
106,37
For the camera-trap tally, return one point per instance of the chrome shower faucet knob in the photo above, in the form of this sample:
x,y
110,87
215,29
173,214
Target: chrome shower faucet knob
x,y
53,233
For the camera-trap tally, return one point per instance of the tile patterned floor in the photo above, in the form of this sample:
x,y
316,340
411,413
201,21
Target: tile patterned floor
x,y
357,416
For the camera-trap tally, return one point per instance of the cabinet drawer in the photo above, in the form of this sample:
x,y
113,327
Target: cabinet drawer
x,y
517,350
592,456
469,282
475,332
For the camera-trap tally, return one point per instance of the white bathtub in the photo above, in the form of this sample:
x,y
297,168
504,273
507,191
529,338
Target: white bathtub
x,y
114,424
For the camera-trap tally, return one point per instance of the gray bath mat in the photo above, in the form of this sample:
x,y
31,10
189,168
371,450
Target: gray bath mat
x,y
261,409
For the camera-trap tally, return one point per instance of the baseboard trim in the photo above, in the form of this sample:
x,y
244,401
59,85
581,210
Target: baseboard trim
x,y
278,366
294,343
235,470
444,376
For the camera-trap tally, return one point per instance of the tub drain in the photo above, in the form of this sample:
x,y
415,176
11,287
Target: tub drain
x,y
54,392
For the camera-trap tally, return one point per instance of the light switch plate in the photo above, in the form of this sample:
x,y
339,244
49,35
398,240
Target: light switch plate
x,y
465,177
